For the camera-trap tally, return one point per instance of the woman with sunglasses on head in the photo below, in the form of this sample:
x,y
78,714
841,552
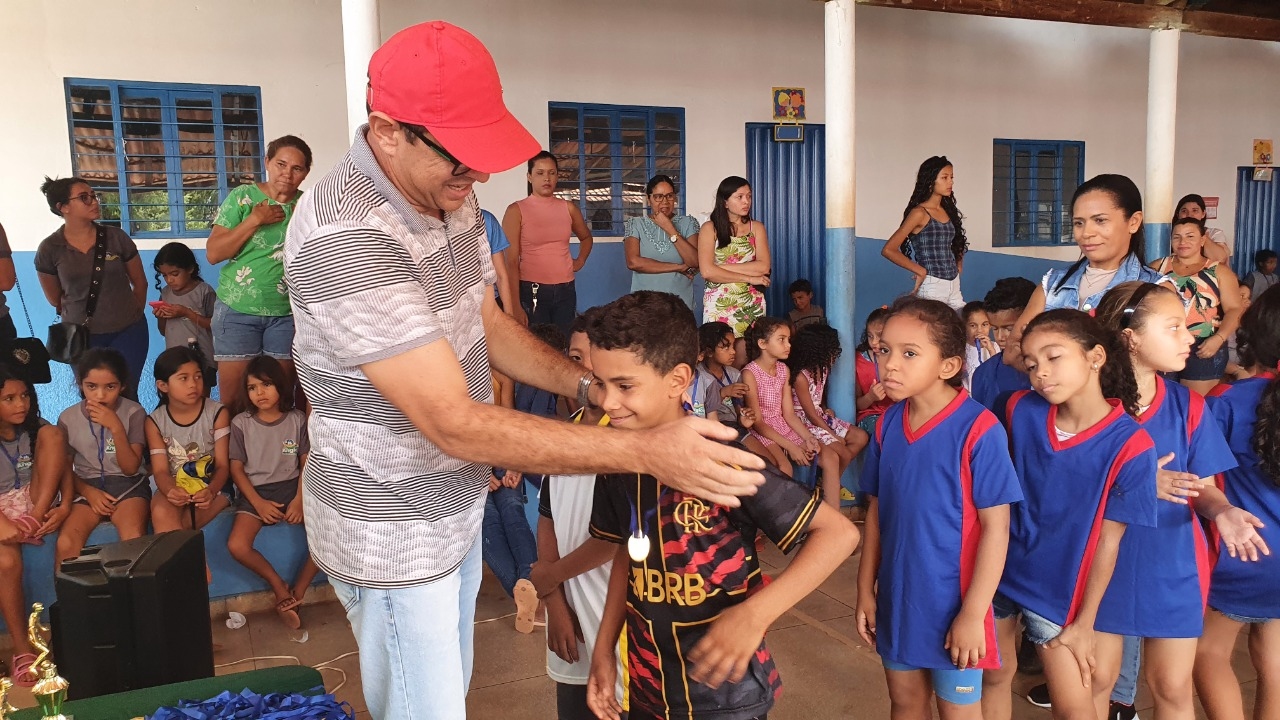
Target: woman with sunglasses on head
x,y
538,228
65,263
662,247
252,315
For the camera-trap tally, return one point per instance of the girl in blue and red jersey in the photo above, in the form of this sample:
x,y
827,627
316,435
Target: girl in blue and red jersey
x,y
1168,565
1087,470
1241,594
940,483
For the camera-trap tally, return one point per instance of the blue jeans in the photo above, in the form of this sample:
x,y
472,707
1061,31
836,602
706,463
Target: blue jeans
x,y
416,643
557,304
1126,689
509,547
237,336
133,343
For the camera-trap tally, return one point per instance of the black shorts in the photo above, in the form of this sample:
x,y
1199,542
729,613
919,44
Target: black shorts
x,y
279,492
121,487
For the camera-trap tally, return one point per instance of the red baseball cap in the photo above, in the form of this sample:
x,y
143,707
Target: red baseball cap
x,y
441,77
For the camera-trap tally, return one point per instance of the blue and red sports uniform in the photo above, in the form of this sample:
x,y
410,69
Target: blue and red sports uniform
x,y
930,483
1247,589
1168,565
702,561
1106,472
993,381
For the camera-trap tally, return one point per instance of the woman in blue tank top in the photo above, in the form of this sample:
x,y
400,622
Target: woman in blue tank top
x,y
931,242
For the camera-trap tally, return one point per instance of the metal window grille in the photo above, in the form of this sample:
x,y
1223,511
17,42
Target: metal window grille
x,y
607,154
162,156
1032,185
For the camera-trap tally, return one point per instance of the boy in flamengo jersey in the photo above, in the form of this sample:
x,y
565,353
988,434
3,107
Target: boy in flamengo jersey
x,y
686,579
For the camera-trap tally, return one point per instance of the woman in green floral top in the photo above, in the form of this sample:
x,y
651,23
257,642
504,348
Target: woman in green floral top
x,y
252,316
733,256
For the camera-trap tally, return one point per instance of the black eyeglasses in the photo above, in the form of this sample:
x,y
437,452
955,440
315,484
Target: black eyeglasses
x,y
88,198
662,197
458,168
1135,301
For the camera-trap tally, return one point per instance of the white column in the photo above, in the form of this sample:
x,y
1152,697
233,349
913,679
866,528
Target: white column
x,y
840,232
1162,108
360,37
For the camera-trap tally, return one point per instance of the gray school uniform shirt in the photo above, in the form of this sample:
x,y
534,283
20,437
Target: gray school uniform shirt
x,y
188,443
18,460
92,448
270,451
176,330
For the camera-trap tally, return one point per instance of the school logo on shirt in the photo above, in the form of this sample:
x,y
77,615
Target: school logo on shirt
x,y
290,447
24,462
110,257
693,516
110,449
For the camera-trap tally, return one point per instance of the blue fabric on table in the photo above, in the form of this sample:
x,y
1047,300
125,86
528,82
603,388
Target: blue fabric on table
x,y
248,705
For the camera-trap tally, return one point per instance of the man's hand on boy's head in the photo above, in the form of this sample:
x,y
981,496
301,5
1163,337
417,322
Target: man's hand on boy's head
x,y
689,455
725,652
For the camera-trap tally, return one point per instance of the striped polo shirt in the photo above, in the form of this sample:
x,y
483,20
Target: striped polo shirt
x,y
371,278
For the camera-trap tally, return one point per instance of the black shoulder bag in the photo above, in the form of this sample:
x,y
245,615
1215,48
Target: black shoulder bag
x,y
68,340
26,355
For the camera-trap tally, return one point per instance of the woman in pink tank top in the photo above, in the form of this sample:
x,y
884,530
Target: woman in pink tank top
x,y
538,228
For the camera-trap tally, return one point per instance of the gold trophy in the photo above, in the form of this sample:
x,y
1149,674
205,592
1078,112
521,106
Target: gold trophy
x,y
5,708
50,690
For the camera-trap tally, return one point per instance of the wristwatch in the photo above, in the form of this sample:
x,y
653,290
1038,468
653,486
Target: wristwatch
x,y
674,239
584,389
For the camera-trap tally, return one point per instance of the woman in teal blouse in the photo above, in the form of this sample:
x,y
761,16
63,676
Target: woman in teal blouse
x,y
661,248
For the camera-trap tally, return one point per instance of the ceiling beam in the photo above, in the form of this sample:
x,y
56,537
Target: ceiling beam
x,y
1103,12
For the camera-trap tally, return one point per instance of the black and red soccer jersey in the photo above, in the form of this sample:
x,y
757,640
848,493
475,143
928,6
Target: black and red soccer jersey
x,y
701,561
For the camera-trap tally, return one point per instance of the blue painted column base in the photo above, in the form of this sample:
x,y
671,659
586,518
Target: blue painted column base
x,y
841,315
1157,240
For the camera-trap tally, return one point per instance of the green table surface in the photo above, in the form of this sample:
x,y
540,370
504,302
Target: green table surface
x,y
137,703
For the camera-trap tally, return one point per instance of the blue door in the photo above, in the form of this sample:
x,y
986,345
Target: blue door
x,y
788,182
1257,219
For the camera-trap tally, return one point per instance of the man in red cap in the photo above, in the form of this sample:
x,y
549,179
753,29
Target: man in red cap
x,y
390,276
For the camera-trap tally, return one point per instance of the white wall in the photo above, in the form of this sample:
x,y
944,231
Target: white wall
x,y
928,83
718,59
292,49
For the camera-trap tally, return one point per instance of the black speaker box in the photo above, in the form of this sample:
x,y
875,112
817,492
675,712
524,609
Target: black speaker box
x,y
133,615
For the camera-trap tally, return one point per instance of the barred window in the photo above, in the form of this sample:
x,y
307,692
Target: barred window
x,y
1032,185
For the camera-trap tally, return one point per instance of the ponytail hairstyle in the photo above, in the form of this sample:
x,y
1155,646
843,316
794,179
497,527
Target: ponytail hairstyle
x,y
178,255
1128,305
926,176
1126,197
1116,374
946,331
879,315
760,331
542,155
1259,338
814,348
720,215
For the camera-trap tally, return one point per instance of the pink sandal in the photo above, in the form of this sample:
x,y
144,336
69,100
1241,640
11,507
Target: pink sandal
x,y
29,526
24,675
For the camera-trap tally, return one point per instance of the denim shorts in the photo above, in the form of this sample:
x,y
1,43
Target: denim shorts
x,y
237,336
1038,630
1199,368
1243,618
956,686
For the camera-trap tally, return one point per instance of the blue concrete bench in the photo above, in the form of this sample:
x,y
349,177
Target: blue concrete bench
x,y
283,544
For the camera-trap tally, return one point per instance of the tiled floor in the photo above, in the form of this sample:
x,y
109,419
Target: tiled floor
x,y
827,671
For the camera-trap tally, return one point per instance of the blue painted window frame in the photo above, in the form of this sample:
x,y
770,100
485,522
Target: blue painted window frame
x,y
1047,203
169,95
574,189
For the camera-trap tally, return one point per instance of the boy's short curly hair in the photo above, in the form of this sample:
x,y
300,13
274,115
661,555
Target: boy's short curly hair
x,y
658,327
